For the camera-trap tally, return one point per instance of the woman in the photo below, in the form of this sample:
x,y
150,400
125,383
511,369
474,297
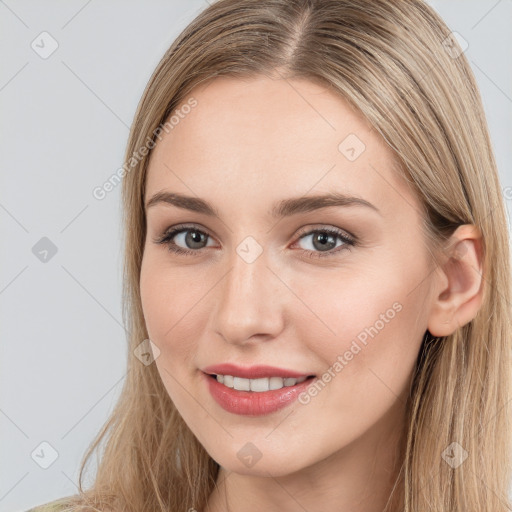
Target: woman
x,y
312,207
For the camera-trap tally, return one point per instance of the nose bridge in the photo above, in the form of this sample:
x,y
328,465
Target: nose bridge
x,y
247,302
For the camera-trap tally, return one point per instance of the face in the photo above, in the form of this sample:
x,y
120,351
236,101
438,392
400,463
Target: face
x,y
333,289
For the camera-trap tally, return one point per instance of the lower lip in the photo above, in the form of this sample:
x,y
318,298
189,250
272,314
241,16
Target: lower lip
x,y
252,403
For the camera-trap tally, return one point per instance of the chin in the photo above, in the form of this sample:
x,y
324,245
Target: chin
x,y
249,461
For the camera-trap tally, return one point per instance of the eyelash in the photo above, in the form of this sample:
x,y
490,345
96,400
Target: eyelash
x,y
348,241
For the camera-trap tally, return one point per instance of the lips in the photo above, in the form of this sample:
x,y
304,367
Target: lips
x,y
252,403
253,372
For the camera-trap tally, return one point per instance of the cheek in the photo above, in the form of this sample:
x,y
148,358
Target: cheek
x,y
372,327
170,302
169,305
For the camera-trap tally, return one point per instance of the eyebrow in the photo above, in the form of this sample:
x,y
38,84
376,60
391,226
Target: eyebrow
x,y
283,208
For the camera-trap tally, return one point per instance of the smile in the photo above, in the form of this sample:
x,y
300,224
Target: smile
x,y
257,385
255,397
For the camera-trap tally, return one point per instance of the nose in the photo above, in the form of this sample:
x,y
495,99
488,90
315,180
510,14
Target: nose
x,y
249,303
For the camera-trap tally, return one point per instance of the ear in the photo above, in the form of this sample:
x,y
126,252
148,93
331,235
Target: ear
x,y
459,284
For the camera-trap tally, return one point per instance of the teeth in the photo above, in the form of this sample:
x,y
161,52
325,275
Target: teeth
x,y
276,382
242,384
258,385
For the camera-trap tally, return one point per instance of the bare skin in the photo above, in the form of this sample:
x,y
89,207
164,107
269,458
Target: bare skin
x,y
247,145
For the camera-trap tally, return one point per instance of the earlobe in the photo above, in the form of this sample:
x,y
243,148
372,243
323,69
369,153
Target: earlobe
x,y
459,287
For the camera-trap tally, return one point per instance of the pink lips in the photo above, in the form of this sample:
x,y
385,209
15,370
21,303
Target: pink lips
x,y
251,403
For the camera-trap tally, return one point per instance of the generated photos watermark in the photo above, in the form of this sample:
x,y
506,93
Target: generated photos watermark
x,y
342,360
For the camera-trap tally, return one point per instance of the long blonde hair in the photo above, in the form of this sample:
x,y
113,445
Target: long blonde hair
x,y
396,63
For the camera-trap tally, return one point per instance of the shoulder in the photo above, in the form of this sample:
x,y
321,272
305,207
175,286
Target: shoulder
x,y
72,503
52,506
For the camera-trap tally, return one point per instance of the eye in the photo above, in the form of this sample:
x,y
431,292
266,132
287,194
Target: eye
x,y
322,242
191,237
189,240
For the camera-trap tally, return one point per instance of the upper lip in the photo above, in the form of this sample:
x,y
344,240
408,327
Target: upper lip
x,y
252,372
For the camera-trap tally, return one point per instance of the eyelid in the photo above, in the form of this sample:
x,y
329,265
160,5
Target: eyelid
x,y
327,227
305,230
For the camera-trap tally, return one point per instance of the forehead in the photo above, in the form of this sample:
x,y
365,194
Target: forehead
x,y
272,138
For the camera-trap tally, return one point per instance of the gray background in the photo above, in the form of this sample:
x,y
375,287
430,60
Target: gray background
x,y
65,122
